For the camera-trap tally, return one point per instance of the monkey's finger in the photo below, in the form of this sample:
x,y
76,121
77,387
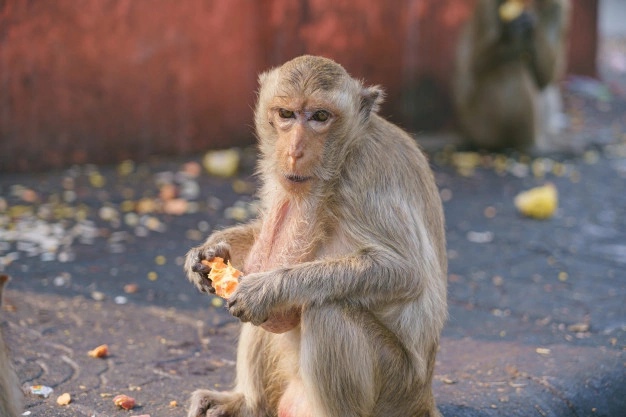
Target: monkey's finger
x,y
205,286
200,268
221,249
236,311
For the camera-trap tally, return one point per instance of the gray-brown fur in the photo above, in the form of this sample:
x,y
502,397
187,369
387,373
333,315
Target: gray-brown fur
x,y
358,248
506,82
10,391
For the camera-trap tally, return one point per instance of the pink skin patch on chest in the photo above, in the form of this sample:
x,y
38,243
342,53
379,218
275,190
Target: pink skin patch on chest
x,y
265,255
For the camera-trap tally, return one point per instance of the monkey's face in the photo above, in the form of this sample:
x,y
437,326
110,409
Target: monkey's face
x,y
307,114
302,129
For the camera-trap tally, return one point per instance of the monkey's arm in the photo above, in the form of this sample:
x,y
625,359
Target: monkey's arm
x,y
232,244
548,41
493,42
373,276
392,262
3,280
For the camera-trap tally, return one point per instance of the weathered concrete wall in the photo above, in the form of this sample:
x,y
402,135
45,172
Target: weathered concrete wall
x,y
583,38
116,79
102,80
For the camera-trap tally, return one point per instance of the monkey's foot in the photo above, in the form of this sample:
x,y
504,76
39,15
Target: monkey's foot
x,y
206,403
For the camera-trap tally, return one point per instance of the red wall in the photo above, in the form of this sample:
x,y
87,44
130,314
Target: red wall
x,y
103,80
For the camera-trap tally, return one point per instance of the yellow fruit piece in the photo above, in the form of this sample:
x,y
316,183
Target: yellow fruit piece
x,y
64,399
125,168
97,180
539,202
510,10
466,162
223,163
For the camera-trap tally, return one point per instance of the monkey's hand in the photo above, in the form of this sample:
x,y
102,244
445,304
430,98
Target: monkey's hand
x,y
520,30
254,298
197,272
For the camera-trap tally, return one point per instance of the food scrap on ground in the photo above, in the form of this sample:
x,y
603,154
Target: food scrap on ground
x,y
223,163
101,351
64,399
41,390
539,202
124,401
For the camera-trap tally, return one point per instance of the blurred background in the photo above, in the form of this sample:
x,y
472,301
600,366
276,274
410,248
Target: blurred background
x,y
102,81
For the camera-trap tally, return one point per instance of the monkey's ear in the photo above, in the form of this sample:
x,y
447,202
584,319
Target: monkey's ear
x,y
371,98
262,77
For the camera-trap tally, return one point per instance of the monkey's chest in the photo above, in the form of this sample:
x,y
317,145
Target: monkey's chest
x,y
286,238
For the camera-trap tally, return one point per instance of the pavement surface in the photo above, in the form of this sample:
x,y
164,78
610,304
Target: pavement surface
x,y
537,307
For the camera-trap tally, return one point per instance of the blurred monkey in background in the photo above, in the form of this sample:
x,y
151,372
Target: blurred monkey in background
x,y
10,391
510,57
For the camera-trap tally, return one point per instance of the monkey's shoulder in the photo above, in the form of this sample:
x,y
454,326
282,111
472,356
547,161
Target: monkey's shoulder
x,y
386,162
393,147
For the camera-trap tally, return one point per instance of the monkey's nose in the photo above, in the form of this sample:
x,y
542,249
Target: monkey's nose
x,y
293,159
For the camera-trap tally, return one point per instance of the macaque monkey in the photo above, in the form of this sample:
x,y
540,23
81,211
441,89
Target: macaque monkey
x,y
10,391
343,295
510,57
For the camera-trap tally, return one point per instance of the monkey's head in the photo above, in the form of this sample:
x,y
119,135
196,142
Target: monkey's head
x,y
308,112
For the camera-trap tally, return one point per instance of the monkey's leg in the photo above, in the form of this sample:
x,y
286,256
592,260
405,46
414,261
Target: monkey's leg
x,y
551,122
352,366
247,399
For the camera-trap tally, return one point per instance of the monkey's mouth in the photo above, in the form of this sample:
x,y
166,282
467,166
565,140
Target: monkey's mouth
x,y
296,178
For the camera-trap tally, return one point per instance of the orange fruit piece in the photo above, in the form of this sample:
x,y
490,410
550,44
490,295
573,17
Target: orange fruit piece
x,y
224,277
101,351
124,401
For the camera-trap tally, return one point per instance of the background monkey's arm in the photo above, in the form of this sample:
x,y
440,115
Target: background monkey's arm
x,y
548,58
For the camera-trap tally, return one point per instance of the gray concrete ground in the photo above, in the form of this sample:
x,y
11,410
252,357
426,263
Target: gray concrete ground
x,y
537,308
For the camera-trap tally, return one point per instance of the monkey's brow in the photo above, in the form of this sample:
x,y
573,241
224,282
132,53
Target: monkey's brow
x,y
287,102
308,111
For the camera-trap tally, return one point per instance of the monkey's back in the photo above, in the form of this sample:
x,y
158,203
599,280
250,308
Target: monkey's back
x,y
391,202
388,180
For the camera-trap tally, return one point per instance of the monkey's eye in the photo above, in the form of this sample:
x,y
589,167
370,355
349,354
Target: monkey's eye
x,y
320,116
285,114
